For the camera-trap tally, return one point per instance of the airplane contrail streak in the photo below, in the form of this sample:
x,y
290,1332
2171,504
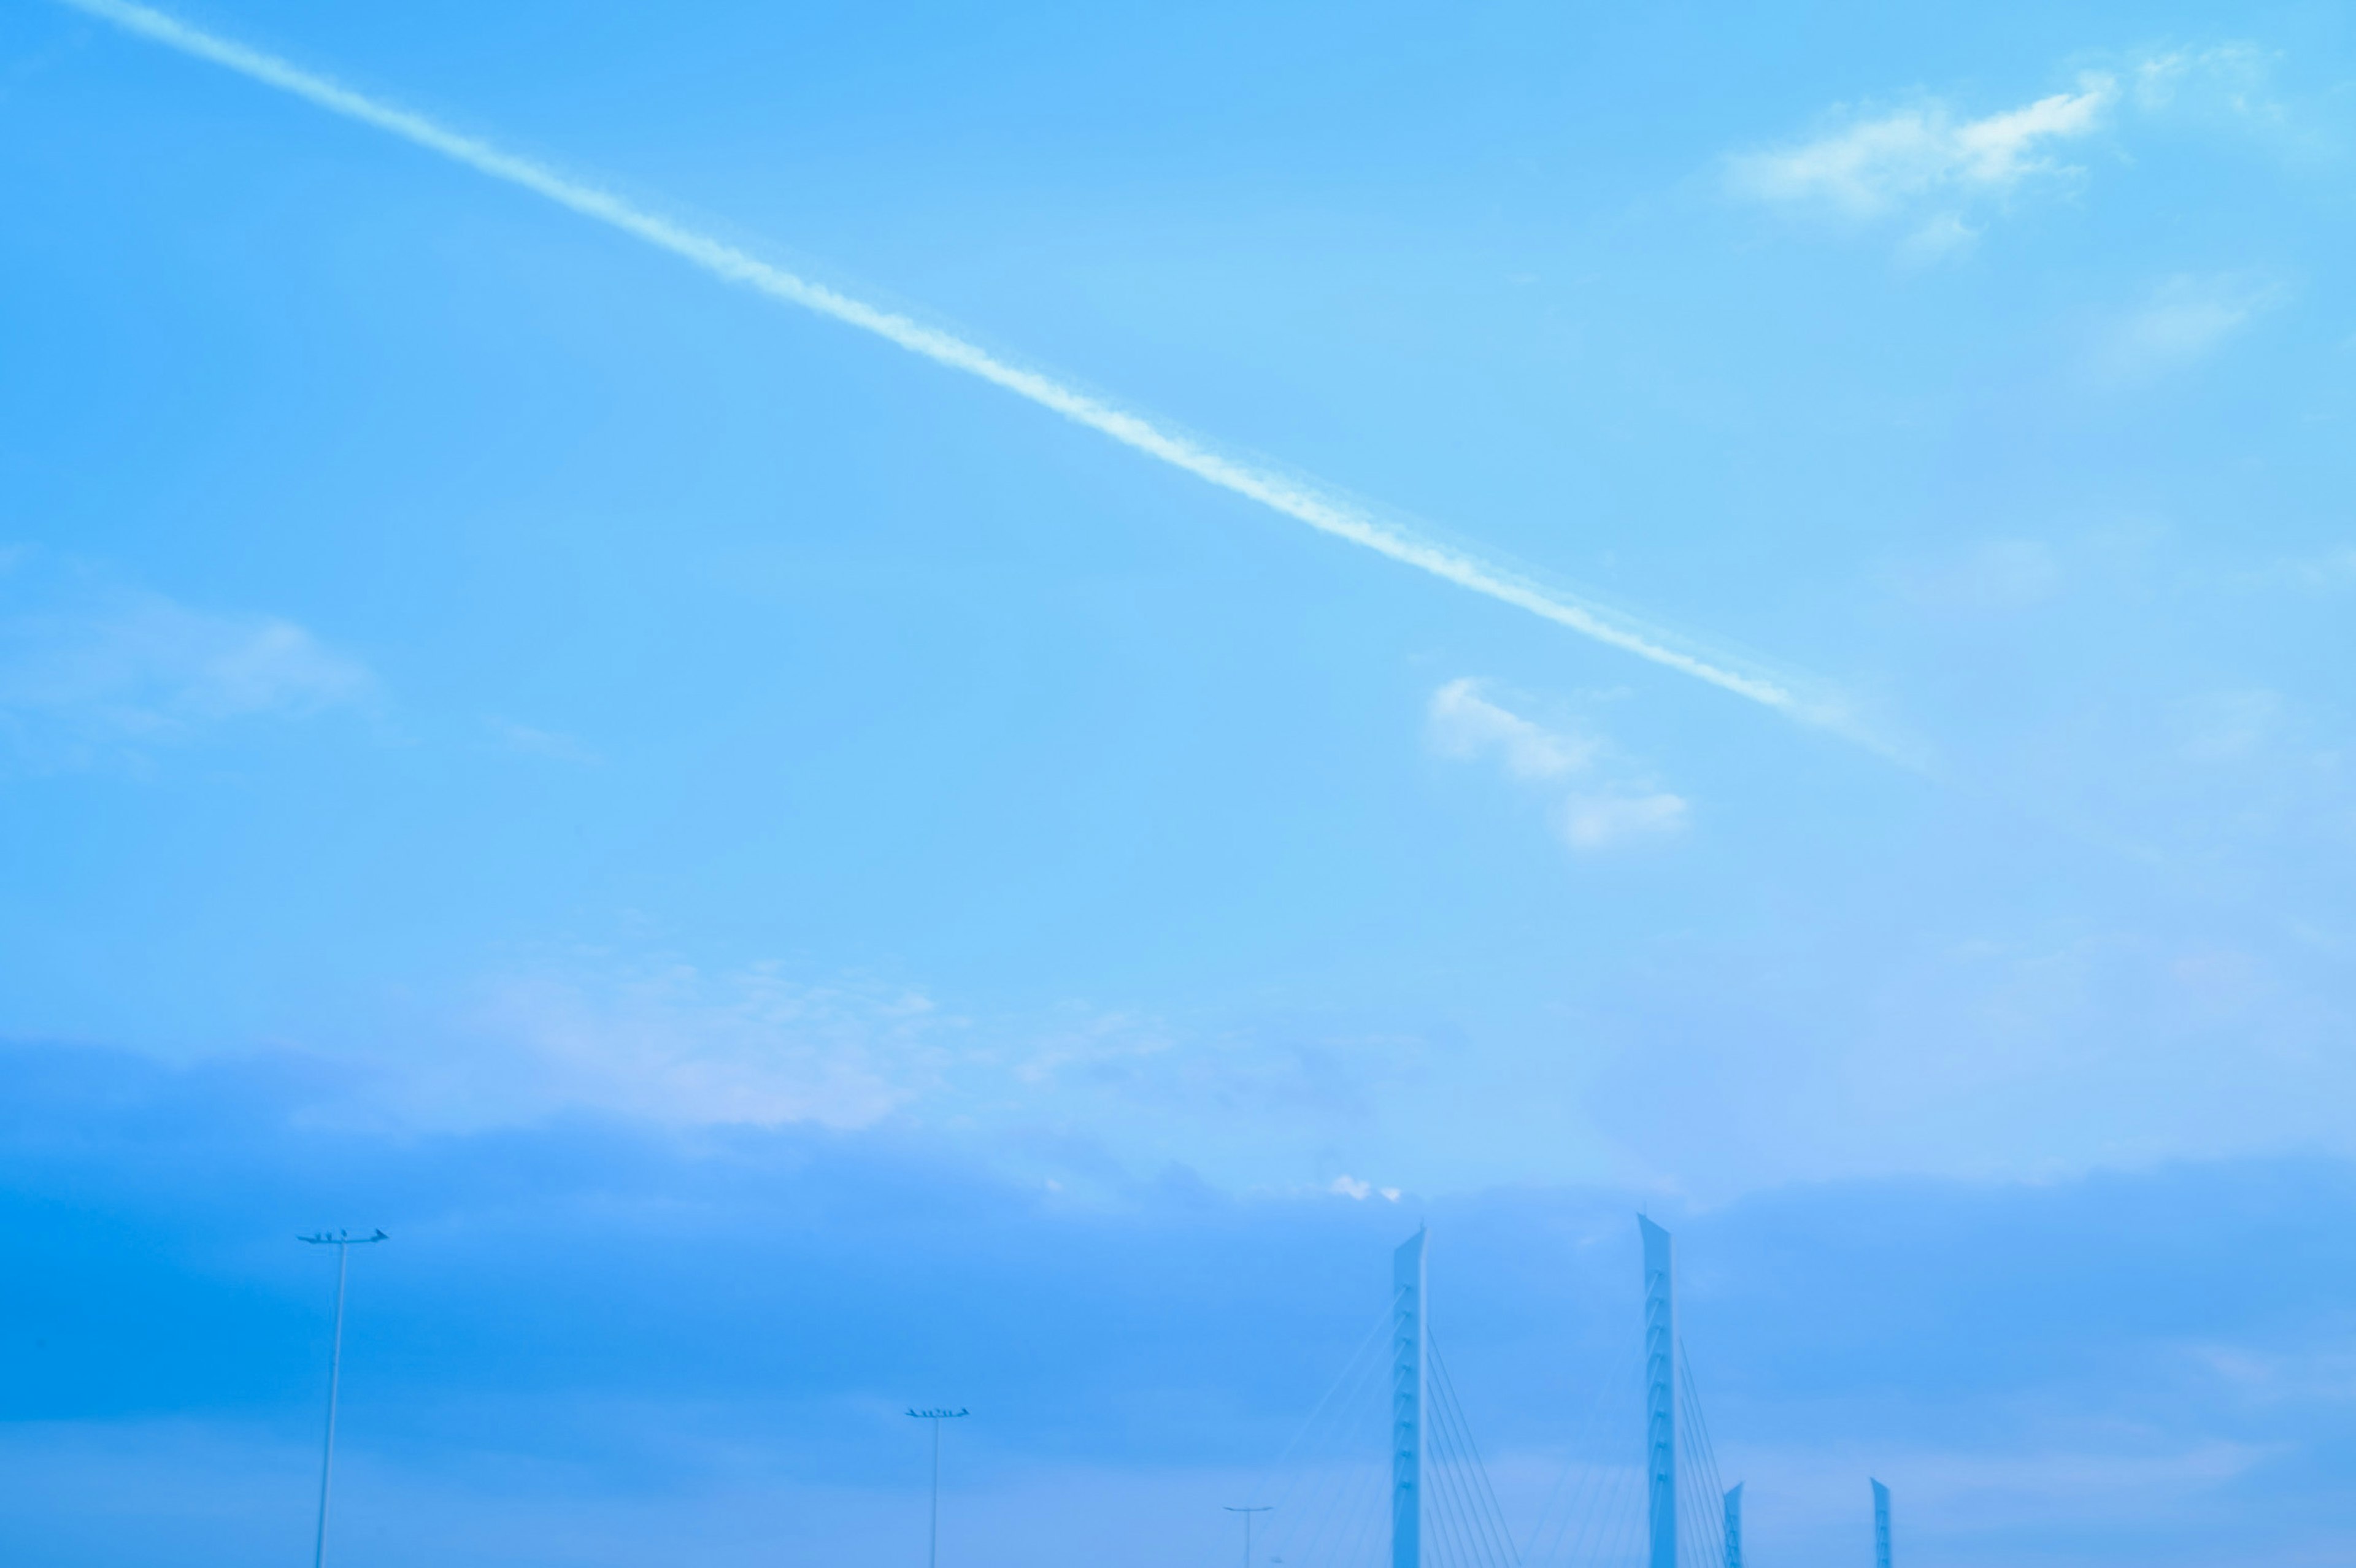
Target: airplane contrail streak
x,y
1291,497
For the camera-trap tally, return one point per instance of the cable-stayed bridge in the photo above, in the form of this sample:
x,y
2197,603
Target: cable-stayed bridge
x,y
1386,1473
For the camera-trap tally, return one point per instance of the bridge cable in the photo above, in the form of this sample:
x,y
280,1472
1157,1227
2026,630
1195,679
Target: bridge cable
x,y
1452,1513
1488,1513
1351,1381
1576,1503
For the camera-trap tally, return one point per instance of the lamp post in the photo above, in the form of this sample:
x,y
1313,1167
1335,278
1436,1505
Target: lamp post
x,y
933,1539
1248,1512
343,1241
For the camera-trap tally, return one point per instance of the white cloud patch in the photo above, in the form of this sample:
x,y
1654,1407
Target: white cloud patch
x,y
1987,577
1600,821
1937,236
1925,156
1074,1091
2228,726
533,742
680,1045
2186,318
1932,168
1612,805
2228,81
86,670
2325,571
1465,725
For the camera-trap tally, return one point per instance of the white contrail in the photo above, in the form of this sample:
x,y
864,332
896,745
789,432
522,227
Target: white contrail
x,y
1289,496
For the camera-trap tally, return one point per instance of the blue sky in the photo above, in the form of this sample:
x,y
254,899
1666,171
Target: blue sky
x,y
685,811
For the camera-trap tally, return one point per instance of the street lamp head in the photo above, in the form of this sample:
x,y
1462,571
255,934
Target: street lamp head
x,y
343,1239
937,1414
1247,1509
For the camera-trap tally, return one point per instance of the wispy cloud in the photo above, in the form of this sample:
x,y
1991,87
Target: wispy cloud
x,y
1600,821
534,741
2228,726
1085,1090
2186,318
2324,571
1996,576
91,666
678,1044
1609,805
1465,725
1925,156
1936,171
2225,82
1299,500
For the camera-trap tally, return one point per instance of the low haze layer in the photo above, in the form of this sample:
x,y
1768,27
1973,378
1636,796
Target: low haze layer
x,y
795,882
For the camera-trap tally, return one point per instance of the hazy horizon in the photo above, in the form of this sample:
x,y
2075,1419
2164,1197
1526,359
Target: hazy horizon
x,y
867,707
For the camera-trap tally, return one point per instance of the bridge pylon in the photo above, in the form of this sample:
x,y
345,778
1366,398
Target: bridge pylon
x,y
1410,1354
1660,1396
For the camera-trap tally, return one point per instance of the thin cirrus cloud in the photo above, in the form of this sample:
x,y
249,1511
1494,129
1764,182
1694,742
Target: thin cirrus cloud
x,y
89,668
659,1040
532,741
1082,1094
2185,319
680,1046
1874,166
1600,821
1935,171
1606,805
1301,501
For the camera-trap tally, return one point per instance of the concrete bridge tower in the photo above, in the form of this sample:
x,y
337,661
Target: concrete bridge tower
x,y
1410,1345
1660,1397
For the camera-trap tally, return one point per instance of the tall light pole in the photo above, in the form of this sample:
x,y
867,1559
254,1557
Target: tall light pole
x,y
343,1241
1248,1512
933,1540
